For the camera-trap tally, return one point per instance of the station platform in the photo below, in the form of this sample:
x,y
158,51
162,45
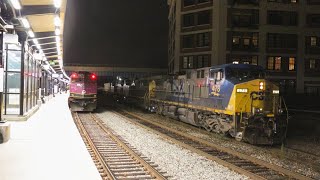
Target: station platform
x,y
47,146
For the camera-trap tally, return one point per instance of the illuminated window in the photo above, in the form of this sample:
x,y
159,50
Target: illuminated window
x,y
254,60
277,63
270,63
292,61
312,63
246,41
313,41
255,40
235,40
187,62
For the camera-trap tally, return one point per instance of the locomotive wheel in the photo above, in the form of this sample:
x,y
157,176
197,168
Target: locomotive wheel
x,y
216,128
239,136
208,128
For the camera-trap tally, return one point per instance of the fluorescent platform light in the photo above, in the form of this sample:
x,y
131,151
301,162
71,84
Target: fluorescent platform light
x,y
57,21
57,3
30,33
16,4
57,31
25,23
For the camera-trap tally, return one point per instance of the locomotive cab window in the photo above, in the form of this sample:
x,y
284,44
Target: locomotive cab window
x,y
244,74
216,74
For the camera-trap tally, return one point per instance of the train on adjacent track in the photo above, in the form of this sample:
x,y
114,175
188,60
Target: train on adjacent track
x,y
83,91
233,99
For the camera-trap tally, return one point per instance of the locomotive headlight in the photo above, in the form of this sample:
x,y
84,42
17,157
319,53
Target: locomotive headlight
x,y
275,92
242,90
261,85
280,111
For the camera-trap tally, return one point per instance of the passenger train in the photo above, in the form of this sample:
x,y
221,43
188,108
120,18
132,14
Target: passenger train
x,y
83,91
233,99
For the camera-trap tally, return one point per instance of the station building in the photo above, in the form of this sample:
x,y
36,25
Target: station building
x,y
283,36
28,46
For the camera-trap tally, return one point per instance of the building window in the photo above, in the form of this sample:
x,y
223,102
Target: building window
x,y
204,17
313,41
313,2
203,61
288,18
284,1
270,63
255,39
203,1
246,41
313,20
254,60
243,41
187,41
274,63
282,41
243,17
203,40
235,40
242,59
188,20
187,62
188,2
292,63
277,63
312,64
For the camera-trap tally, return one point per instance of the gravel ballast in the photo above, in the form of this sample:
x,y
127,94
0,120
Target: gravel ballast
x,y
178,162
298,162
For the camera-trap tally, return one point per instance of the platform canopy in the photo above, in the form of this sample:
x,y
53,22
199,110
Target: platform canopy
x,y
43,22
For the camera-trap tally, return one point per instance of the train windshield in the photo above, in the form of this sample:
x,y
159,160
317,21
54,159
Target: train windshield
x,y
244,74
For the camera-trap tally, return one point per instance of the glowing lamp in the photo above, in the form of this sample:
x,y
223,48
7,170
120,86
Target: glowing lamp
x,y
261,85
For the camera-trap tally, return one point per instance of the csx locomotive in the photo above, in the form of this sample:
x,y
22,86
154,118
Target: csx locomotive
x,y
83,91
234,99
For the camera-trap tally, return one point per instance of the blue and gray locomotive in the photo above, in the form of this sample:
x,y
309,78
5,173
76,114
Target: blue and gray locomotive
x,y
234,99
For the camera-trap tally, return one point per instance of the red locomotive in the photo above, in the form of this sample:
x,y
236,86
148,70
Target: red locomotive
x,y
83,91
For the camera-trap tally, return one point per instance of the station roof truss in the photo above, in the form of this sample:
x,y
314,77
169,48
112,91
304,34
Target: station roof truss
x,y
46,21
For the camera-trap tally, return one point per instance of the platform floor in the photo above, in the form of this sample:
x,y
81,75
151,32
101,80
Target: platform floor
x,y
46,147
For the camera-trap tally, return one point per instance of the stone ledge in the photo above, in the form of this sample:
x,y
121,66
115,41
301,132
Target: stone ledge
x,y
4,132
19,117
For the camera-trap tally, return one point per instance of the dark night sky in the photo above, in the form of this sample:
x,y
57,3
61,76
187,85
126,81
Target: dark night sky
x,y
127,33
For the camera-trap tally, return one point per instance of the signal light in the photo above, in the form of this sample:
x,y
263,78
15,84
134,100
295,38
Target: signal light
x,y
93,76
74,75
261,85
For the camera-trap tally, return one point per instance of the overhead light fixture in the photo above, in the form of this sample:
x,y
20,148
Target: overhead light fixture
x,y
30,33
57,3
16,4
25,23
57,31
58,39
57,21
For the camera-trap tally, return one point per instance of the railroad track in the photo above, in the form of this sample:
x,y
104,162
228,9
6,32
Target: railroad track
x,y
241,163
113,156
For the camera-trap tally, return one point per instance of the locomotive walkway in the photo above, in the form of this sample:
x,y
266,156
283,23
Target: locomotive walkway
x,y
47,146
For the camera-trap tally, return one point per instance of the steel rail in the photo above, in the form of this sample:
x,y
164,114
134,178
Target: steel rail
x,y
92,146
151,170
275,168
